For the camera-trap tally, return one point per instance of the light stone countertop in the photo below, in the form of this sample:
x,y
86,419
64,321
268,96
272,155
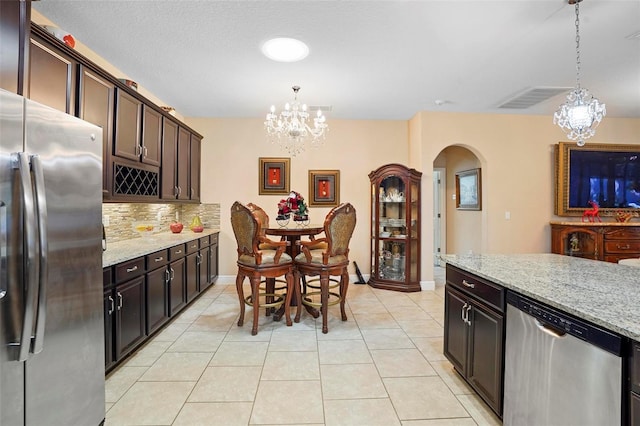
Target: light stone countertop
x,y
121,251
606,294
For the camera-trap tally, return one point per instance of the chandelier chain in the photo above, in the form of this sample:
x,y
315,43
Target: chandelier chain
x,y
581,113
578,44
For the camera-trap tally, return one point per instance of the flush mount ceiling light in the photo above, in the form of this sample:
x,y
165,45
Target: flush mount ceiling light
x,y
291,127
285,49
581,113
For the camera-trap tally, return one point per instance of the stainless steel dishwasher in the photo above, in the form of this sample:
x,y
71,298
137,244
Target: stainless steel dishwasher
x,y
559,370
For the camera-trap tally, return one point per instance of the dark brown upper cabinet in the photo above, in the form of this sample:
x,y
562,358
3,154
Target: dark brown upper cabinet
x,y
128,121
151,136
194,167
168,184
96,103
52,76
184,162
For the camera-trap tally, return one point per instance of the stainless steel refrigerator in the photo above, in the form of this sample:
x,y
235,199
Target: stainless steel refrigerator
x,y
51,315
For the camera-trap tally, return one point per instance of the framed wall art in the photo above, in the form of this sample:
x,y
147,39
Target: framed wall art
x,y
469,190
274,176
324,188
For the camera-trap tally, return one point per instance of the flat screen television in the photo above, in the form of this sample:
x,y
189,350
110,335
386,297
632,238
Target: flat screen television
x,y
606,174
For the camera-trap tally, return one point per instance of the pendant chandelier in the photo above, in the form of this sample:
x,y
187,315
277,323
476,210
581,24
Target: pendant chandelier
x,y
581,113
291,128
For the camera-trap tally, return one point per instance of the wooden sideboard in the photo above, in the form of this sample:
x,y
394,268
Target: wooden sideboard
x,y
608,241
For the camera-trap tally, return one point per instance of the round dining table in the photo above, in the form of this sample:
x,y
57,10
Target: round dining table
x,y
293,231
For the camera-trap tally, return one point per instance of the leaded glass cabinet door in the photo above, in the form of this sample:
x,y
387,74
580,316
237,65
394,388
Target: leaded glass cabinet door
x,y
395,228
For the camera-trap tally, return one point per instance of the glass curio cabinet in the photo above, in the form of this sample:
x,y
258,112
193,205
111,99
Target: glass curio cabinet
x,y
395,228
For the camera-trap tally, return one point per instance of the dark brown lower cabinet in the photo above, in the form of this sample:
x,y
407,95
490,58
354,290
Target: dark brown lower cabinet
x,y
177,290
130,315
213,258
474,334
109,319
157,299
203,269
141,295
192,276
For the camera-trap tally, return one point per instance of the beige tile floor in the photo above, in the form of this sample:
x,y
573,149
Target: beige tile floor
x,y
384,366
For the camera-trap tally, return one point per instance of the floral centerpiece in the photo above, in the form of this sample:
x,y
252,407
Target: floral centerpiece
x,y
295,204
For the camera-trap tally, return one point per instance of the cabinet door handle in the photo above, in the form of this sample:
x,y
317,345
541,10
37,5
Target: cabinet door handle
x,y
135,268
179,191
468,309
192,191
623,247
119,301
145,151
159,259
167,276
464,311
112,306
173,274
175,191
468,284
199,256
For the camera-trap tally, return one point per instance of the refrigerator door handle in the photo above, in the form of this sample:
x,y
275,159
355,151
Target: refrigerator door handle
x,y
3,249
21,162
41,205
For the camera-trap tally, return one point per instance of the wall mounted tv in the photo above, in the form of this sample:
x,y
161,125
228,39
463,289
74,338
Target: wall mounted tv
x,y
604,173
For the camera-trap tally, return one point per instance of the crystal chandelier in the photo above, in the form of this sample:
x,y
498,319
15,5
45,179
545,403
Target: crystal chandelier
x,y
581,113
291,127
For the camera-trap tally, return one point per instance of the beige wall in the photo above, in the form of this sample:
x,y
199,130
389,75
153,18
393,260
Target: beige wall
x,y
515,153
230,152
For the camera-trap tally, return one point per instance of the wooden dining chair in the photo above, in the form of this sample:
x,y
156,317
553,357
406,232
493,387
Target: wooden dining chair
x,y
324,257
256,263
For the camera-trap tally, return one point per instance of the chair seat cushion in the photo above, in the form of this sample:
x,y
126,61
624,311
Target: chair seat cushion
x,y
267,258
316,257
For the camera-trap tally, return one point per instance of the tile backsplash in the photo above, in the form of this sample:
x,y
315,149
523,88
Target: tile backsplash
x,y
121,217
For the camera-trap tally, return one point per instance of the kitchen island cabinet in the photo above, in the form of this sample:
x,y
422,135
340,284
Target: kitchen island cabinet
x,y
474,333
600,293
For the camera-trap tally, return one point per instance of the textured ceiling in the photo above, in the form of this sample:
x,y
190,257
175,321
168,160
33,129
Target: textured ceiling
x,y
368,59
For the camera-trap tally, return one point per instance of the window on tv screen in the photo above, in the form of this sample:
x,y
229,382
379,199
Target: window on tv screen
x,y
612,179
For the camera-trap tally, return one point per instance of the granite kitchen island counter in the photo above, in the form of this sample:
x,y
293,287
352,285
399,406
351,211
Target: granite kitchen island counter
x,y
606,294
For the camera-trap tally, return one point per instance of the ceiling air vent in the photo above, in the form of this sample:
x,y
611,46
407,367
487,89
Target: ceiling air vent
x,y
533,96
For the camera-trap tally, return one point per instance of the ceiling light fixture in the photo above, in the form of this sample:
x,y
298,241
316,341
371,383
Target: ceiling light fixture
x,y
285,49
581,113
291,127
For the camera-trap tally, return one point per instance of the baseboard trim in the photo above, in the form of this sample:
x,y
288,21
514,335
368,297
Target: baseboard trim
x,y
427,285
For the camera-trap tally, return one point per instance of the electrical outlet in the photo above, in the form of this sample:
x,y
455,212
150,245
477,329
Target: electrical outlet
x,y
105,220
453,196
507,215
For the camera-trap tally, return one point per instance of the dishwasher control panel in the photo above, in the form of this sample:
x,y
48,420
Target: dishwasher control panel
x,y
560,322
567,323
